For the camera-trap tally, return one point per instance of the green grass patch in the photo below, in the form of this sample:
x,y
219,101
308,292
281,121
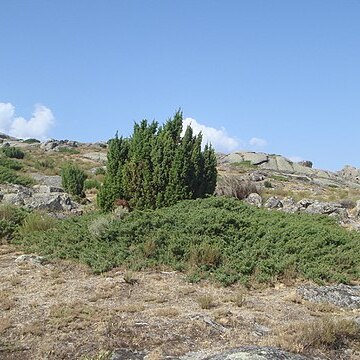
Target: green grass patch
x,y
68,150
218,238
10,218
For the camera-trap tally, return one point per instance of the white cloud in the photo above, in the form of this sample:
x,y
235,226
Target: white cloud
x,y
219,139
37,126
258,142
7,112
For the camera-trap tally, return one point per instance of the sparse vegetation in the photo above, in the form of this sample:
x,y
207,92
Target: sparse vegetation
x,y
206,301
325,334
235,187
68,150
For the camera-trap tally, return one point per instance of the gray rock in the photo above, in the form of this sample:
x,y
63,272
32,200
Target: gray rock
x,y
305,203
127,354
306,163
254,199
255,158
96,156
340,295
256,176
248,353
14,194
49,145
34,259
273,202
289,205
325,208
284,164
350,173
47,189
53,181
50,202
357,208
271,164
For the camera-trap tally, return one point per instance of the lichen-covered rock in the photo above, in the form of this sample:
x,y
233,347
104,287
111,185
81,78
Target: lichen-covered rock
x,y
248,353
289,205
256,176
340,295
273,202
254,199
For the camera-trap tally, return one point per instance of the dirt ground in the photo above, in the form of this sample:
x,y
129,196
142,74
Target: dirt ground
x,y
60,310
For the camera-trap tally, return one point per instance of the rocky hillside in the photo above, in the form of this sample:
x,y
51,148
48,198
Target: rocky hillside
x,y
283,184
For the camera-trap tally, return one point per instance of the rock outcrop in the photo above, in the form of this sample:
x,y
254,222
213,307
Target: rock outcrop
x,y
41,197
341,295
280,164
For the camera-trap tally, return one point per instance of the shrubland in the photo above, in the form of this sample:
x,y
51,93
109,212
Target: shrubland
x,y
217,237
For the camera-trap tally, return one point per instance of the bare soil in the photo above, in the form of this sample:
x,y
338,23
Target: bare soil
x,y
60,310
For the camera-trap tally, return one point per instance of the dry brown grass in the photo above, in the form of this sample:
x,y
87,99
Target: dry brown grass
x,y
206,301
67,312
7,300
325,334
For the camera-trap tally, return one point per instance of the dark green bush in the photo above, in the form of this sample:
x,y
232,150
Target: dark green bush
x,y
12,152
215,237
31,141
73,179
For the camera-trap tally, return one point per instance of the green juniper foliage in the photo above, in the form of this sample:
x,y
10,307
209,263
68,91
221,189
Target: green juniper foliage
x,y
13,152
157,167
217,237
73,179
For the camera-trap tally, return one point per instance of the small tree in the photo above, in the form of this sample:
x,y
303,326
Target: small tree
x,y
73,178
157,167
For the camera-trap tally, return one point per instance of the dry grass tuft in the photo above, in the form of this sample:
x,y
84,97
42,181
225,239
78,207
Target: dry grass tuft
x,y
7,300
167,312
206,301
324,334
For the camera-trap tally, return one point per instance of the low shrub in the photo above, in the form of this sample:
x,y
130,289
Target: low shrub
x,y
10,163
31,141
12,152
218,237
8,175
73,178
10,218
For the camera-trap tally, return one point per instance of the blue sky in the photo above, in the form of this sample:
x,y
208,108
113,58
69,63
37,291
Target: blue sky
x,y
277,76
